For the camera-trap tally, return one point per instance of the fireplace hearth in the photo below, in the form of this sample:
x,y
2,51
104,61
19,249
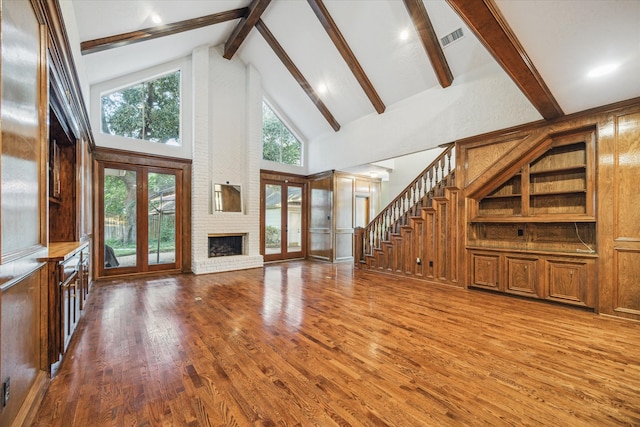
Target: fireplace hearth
x,y
225,245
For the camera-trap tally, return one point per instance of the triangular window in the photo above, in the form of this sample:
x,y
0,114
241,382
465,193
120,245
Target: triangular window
x,y
279,144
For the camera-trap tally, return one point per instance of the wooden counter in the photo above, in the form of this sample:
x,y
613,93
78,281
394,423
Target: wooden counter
x,y
62,251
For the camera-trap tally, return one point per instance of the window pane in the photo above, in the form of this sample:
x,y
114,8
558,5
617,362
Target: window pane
x,y
294,219
273,219
149,111
162,218
278,143
119,218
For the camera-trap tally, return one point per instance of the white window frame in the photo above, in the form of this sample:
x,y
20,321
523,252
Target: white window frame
x,y
277,166
184,150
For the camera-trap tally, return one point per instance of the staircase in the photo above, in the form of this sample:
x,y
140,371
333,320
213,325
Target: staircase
x,y
415,235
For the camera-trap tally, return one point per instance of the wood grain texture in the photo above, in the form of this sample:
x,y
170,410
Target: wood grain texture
x,y
244,27
304,343
430,42
297,74
488,24
119,40
347,54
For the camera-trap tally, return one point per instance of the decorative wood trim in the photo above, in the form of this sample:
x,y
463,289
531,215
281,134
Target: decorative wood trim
x,y
139,162
244,27
135,158
297,75
422,23
341,44
530,147
485,20
125,39
63,75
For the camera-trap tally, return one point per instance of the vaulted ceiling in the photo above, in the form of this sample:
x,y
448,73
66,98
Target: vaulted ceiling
x,y
326,63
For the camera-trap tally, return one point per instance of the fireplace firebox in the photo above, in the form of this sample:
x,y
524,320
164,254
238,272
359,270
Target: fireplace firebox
x,y
225,245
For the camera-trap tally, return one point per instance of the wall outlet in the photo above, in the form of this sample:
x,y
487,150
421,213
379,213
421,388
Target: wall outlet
x,y
6,387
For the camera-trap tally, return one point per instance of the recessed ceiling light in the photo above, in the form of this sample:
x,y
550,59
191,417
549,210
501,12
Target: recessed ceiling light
x,y
602,70
156,19
404,35
322,89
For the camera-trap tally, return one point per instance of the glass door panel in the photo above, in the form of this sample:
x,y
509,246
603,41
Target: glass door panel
x,y
120,218
273,219
161,202
294,219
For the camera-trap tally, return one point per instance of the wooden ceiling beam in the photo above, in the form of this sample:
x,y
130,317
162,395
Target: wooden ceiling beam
x,y
486,21
295,72
119,40
244,27
430,42
341,44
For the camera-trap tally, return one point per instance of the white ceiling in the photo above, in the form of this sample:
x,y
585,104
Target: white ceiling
x,y
565,39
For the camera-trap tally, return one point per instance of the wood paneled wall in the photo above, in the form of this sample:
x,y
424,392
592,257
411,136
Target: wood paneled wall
x,y
332,210
486,161
36,58
618,213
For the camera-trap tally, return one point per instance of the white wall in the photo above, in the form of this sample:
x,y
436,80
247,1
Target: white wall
x,y
227,147
405,170
476,104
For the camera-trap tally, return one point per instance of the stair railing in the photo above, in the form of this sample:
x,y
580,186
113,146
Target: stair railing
x,y
416,195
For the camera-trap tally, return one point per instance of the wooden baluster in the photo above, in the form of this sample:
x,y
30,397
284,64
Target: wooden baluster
x,y
430,180
413,198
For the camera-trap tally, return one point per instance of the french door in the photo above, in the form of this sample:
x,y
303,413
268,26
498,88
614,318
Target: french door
x,y
139,219
283,220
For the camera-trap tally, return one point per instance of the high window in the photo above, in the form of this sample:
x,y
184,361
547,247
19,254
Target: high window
x,y
148,111
279,144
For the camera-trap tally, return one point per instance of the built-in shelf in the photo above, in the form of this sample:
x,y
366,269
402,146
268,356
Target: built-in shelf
x,y
570,169
504,196
557,193
534,235
534,218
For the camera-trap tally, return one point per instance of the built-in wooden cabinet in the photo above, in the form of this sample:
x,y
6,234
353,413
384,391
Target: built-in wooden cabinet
x,y
565,279
68,289
534,232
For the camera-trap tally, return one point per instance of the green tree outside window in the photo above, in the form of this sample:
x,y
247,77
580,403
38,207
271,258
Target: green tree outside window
x,y
278,143
149,110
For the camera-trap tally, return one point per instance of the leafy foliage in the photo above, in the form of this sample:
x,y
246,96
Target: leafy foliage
x,y
148,111
278,143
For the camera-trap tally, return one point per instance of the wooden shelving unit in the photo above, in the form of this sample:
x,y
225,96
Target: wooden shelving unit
x,y
534,234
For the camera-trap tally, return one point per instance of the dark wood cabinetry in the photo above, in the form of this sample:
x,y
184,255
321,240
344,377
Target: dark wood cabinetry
x,y
533,233
68,288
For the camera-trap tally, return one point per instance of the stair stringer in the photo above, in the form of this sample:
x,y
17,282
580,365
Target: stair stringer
x,y
426,247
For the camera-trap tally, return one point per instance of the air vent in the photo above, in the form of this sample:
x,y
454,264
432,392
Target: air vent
x,y
451,37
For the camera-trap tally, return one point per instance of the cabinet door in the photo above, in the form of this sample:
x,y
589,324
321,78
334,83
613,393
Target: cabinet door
x,y
522,276
568,282
484,270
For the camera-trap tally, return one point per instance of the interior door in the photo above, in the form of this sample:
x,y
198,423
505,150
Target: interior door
x,y
283,220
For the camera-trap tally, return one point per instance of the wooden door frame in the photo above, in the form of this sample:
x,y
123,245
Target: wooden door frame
x,y
149,163
284,180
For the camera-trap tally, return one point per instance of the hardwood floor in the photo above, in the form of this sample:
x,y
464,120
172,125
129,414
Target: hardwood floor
x,y
304,343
